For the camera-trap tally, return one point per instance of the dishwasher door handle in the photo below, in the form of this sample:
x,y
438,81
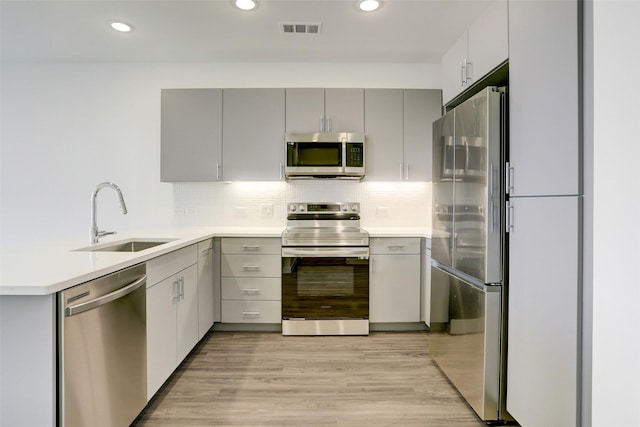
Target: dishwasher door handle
x,y
118,293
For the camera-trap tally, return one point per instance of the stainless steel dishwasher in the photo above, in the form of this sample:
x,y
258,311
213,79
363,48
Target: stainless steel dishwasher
x,y
103,350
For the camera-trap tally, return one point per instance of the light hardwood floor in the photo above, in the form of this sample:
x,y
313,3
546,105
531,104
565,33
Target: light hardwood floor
x,y
265,379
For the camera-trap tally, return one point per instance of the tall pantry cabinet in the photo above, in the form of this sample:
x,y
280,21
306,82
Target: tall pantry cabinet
x,y
543,213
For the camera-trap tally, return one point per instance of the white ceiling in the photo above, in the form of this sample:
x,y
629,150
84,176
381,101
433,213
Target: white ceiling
x,y
401,31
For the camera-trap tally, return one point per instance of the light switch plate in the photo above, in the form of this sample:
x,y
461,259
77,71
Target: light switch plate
x,y
266,209
382,212
241,211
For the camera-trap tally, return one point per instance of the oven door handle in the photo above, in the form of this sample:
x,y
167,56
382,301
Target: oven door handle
x,y
326,252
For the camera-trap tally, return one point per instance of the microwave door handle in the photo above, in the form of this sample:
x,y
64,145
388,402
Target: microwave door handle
x,y
344,155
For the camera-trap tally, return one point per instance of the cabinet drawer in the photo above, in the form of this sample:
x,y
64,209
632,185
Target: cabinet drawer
x,y
251,245
165,265
251,312
251,265
249,288
394,245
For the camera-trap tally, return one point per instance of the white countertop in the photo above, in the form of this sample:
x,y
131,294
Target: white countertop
x,y
47,267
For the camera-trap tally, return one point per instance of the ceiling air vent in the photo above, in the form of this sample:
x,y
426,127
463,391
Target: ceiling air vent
x,y
300,27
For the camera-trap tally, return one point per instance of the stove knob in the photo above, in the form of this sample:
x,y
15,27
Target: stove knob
x,y
354,208
292,208
345,208
302,208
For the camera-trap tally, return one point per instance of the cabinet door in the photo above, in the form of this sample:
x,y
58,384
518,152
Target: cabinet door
x,y
191,135
453,81
304,109
206,300
161,333
425,309
253,134
543,98
421,108
394,288
344,108
187,313
543,298
384,138
489,40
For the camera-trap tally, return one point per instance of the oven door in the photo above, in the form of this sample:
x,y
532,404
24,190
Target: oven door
x,y
325,283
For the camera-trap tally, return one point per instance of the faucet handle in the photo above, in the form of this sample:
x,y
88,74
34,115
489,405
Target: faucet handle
x,y
105,233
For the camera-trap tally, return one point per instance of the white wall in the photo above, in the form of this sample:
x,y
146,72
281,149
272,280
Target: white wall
x,y
67,127
616,203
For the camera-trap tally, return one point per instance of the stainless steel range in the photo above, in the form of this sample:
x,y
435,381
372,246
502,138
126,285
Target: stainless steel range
x,y
325,270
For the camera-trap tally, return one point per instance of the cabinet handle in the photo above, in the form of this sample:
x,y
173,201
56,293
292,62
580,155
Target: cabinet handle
x,y
510,218
218,171
250,248
407,171
206,251
401,170
251,313
181,280
251,267
251,291
281,171
395,247
463,72
176,289
321,124
509,178
468,71
328,120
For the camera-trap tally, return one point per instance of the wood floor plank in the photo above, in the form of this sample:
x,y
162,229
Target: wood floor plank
x,y
265,379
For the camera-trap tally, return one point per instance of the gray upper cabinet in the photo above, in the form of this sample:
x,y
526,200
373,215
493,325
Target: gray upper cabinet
x,y
421,108
191,135
398,133
480,49
324,110
253,134
384,134
344,109
544,103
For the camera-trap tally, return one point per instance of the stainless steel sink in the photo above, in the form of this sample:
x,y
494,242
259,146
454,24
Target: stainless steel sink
x,y
130,245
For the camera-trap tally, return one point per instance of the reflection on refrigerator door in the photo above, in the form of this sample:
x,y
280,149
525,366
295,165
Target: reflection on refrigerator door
x,y
465,339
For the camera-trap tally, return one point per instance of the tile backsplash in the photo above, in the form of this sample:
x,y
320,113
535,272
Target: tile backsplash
x,y
264,204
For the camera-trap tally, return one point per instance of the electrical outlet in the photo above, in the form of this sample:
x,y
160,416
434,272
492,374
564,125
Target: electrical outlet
x,y
266,209
382,212
241,211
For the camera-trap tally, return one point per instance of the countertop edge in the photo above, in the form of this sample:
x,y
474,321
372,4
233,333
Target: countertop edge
x,y
185,237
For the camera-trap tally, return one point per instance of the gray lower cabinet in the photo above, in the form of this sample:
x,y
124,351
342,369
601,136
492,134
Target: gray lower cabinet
x,y
251,280
544,299
398,128
253,134
172,313
191,135
394,280
206,286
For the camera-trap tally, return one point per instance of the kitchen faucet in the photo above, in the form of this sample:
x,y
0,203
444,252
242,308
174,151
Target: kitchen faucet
x,y
95,234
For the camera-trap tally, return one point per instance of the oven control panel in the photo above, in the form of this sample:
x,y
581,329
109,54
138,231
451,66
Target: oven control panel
x,y
328,208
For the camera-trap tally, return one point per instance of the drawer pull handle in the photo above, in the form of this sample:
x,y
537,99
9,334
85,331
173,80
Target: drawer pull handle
x,y
250,248
251,313
396,247
251,267
250,291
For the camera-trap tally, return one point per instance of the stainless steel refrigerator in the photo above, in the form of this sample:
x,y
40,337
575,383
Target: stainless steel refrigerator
x,y
468,327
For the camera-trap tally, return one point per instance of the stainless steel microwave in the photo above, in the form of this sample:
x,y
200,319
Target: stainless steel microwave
x,y
324,155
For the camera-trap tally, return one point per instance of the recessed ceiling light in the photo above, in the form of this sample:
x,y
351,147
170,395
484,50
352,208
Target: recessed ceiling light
x,y
369,5
121,26
245,4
